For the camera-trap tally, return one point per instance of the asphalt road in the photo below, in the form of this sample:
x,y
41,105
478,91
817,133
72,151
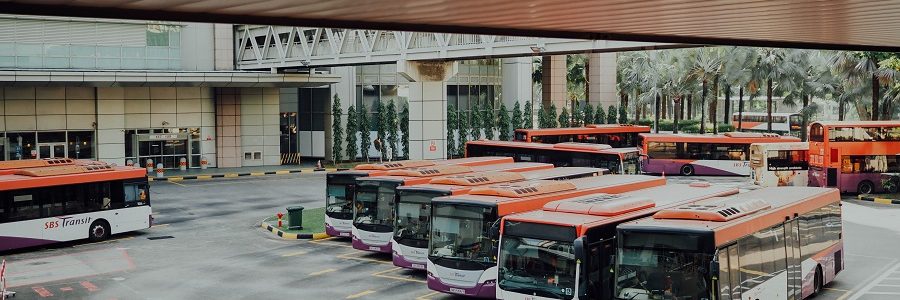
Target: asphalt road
x,y
207,245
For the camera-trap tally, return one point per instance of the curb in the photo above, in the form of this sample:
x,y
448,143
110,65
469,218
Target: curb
x,y
293,236
234,175
878,200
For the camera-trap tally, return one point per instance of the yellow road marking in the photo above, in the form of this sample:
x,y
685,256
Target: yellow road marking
x,y
322,272
883,201
294,253
839,290
360,294
176,178
204,176
330,169
257,173
347,256
282,172
844,296
232,175
382,275
329,243
159,225
176,183
425,297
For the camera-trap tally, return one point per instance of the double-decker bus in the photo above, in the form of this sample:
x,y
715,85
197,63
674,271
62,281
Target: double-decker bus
x,y
373,218
56,200
780,164
616,160
616,135
782,123
771,243
413,223
462,253
703,154
565,250
341,187
853,156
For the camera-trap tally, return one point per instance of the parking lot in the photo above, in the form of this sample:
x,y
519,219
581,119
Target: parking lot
x,y
207,244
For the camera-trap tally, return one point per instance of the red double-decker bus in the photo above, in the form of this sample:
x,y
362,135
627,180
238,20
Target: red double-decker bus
x,y
615,135
853,156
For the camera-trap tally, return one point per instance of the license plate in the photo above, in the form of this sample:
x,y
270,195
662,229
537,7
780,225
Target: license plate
x,y
418,266
458,291
373,248
345,234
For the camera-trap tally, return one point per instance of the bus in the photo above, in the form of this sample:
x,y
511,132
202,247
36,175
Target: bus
x,y
462,252
780,164
770,243
565,248
373,217
616,160
47,201
413,223
853,156
616,135
703,154
340,187
782,123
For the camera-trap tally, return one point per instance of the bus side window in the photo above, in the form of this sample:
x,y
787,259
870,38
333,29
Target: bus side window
x,y
23,206
135,194
3,208
52,201
724,276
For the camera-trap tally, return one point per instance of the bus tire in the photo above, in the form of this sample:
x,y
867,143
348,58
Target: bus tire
x,y
687,170
99,231
865,187
817,281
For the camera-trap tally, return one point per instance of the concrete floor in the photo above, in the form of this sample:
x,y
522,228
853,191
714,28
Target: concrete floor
x,y
207,245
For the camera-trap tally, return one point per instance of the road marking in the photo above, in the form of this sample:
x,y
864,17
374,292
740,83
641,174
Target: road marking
x,y
66,289
360,294
346,256
175,183
889,285
872,283
382,274
89,286
425,297
322,272
329,243
294,253
204,176
160,225
834,289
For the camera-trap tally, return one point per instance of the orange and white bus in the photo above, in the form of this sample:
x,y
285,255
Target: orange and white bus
x,y
373,216
564,250
52,200
782,123
570,154
703,154
853,156
340,187
780,164
615,135
413,223
771,243
462,254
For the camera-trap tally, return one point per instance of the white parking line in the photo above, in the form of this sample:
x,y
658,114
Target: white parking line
x,y
873,283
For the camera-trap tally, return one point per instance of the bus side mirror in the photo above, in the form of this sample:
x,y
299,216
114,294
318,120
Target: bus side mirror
x,y
714,269
579,248
494,232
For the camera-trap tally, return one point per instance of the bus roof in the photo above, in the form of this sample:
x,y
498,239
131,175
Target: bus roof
x,y
34,163
595,210
405,164
730,137
587,129
568,146
69,172
530,195
426,174
733,217
461,182
784,146
774,114
857,123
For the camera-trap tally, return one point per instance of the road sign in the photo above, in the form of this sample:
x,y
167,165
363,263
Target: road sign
x,y
433,147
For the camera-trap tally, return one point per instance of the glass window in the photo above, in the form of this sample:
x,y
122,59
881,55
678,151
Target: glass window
x,y
21,145
783,160
751,262
869,164
81,144
724,276
158,35
23,206
452,92
661,150
463,98
817,133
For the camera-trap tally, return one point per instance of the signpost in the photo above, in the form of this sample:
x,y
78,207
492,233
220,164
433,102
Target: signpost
x,y
4,294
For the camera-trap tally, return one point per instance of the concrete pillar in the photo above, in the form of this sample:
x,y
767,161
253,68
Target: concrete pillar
x,y
516,81
553,81
427,106
602,80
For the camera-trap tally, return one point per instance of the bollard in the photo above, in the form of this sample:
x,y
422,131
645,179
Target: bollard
x,y
149,166
129,163
203,163
182,164
160,172
279,215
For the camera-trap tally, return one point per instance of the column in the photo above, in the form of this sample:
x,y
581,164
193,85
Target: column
x,y
553,81
516,81
427,106
111,126
602,80
228,128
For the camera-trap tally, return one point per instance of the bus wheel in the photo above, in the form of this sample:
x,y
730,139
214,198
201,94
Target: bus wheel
x,y
817,281
99,231
865,187
687,170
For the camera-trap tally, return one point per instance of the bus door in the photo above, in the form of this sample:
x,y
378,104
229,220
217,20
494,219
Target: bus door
x,y
831,177
794,272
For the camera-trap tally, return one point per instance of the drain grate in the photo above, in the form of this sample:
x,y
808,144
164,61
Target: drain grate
x,y
153,238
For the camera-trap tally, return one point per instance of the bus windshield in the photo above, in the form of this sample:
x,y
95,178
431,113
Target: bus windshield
x,y
537,267
337,204
459,232
661,266
414,218
520,136
375,205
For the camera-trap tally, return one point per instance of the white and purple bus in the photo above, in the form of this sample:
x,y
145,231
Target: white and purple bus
x,y
48,201
703,154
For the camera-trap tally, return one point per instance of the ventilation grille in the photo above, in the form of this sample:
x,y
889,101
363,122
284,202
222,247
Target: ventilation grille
x,y
483,178
600,205
34,163
430,171
63,170
524,189
395,165
715,209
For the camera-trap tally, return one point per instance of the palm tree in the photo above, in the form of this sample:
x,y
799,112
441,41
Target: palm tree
x,y
737,66
861,67
707,67
777,70
809,84
576,77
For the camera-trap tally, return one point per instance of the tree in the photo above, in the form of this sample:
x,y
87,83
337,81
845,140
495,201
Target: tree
x,y
489,122
475,123
564,119
542,118
623,116
738,64
517,121
611,115
864,68
352,129
551,116
777,71
337,134
463,134
600,115
706,68
503,122
588,113
383,127
528,116
392,130
577,116
452,125
404,128
362,116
